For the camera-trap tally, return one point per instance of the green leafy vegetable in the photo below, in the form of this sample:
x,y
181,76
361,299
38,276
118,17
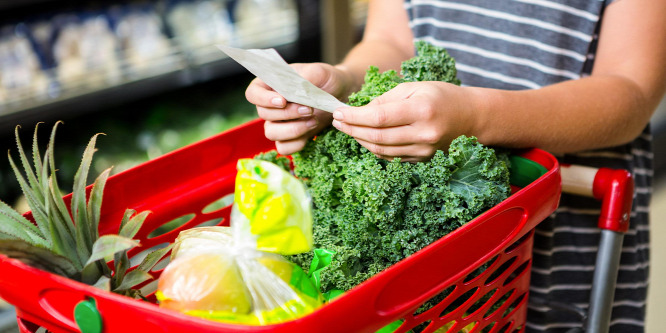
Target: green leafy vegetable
x,y
373,213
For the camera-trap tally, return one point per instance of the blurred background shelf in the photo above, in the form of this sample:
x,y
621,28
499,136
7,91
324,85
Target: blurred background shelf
x,y
114,66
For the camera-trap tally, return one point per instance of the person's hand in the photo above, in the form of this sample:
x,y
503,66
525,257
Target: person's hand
x,y
290,125
412,121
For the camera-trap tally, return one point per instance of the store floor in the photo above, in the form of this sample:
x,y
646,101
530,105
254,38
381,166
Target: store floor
x,y
656,321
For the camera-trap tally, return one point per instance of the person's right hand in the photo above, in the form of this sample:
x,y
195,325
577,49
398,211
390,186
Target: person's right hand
x,y
290,125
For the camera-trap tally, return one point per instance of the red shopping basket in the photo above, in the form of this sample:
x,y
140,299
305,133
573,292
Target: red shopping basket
x,y
476,278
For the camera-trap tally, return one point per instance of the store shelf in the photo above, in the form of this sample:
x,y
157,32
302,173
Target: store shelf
x,y
59,89
83,98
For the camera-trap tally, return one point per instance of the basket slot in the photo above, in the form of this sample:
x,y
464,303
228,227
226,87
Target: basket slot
x,y
500,270
522,269
479,271
459,304
497,304
480,303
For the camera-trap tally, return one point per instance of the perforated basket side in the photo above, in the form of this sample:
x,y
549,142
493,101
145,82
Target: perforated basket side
x,y
493,298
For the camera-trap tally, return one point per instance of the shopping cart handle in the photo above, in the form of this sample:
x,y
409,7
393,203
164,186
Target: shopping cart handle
x,y
613,187
615,190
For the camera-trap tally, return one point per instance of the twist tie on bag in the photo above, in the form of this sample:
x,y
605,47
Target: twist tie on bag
x,y
321,259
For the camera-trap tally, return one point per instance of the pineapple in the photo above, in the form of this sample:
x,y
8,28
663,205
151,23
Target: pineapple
x,y
67,241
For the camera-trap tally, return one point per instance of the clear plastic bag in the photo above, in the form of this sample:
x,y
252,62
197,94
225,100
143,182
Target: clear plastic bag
x,y
238,273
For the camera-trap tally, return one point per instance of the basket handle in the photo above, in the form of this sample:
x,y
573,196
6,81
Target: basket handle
x,y
615,189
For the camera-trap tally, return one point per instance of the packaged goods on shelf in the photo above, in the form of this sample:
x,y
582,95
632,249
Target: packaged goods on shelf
x,y
66,56
86,53
262,23
21,74
146,48
199,25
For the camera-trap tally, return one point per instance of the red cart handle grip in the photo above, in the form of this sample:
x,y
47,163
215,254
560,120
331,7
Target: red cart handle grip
x,y
613,187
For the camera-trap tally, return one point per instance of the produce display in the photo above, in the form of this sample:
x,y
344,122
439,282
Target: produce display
x,y
371,212
66,240
71,52
238,273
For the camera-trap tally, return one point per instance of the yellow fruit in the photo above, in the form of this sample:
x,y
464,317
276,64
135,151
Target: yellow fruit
x,y
249,193
278,265
205,282
272,214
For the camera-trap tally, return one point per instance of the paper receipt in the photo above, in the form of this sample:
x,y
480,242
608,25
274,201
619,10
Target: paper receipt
x,y
268,65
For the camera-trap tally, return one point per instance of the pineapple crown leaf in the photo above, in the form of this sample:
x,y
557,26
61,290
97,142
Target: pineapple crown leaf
x,y
12,229
36,159
60,217
27,168
104,283
122,264
94,208
153,258
38,257
132,279
37,207
10,217
130,227
61,236
108,245
78,204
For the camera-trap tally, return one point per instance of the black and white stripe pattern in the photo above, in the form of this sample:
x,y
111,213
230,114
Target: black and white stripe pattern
x,y
528,44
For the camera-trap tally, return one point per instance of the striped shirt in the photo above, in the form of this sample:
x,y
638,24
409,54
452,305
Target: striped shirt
x,y
528,44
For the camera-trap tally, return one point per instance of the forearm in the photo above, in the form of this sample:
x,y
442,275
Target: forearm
x,y
610,107
387,41
594,112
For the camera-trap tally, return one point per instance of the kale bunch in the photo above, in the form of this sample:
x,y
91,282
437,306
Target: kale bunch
x,y
373,212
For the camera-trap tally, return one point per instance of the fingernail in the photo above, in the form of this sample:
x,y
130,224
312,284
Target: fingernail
x,y
304,110
336,124
338,115
311,123
277,101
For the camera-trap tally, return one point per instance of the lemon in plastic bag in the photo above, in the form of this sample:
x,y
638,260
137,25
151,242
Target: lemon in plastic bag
x,y
204,282
213,276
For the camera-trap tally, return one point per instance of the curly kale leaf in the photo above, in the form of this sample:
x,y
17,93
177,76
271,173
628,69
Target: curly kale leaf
x,y
431,64
376,83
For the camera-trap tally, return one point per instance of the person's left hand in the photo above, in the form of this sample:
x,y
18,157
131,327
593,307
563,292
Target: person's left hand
x,y
412,121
